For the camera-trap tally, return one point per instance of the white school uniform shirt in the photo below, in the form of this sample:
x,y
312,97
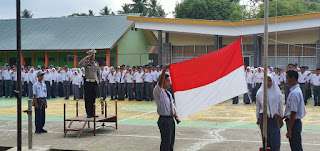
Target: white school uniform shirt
x,y
283,76
163,101
154,75
7,75
32,77
104,74
65,75
315,79
148,77
303,77
24,76
138,77
249,77
47,77
77,80
59,77
278,79
40,90
129,77
14,75
295,103
112,78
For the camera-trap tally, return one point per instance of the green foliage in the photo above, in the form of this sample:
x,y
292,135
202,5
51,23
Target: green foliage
x,y
289,7
209,10
126,9
105,11
26,14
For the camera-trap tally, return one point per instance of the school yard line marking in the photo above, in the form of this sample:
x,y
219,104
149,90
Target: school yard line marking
x,y
137,116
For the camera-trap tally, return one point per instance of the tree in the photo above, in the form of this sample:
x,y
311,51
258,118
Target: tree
x,y
26,14
78,14
105,11
289,7
209,10
91,13
155,10
125,9
139,6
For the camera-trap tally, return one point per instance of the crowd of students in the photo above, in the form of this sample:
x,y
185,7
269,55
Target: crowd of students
x,y
122,82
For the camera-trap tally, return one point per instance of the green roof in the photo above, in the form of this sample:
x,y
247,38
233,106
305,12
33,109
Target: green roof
x,y
65,33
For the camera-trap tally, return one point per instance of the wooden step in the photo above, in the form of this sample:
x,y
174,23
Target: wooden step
x,y
73,129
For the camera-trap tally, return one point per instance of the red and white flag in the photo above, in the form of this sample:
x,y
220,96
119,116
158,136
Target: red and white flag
x,y
202,82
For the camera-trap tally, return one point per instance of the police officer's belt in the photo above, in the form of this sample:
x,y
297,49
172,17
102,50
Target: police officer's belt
x,y
90,80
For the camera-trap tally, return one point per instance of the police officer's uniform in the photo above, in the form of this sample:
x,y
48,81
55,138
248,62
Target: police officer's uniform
x,y
92,79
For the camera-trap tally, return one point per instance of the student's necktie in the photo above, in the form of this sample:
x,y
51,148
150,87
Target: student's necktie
x,y
171,111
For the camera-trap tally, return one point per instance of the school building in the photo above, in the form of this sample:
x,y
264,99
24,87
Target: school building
x,y
292,39
65,40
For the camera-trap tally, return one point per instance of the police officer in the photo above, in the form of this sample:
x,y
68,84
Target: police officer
x,y
92,80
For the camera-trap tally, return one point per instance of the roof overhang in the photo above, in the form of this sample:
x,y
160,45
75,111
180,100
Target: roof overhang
x,y
227,28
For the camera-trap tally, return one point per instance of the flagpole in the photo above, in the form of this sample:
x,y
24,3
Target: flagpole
x,y
265,79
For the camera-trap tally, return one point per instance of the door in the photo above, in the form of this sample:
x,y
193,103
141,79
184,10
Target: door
x,y
246,61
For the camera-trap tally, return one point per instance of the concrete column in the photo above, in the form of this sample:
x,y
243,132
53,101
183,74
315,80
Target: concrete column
x,y
75,60
220,42
167,37
117,55
23,62
159,47
58,58
260,51
108,58
46,60
255,47
6,57
33,59
216,42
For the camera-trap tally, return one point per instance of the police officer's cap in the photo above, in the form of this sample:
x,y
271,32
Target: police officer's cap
x,y
91,52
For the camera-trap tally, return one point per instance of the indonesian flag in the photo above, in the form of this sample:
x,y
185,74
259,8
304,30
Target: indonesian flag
x,y
205,81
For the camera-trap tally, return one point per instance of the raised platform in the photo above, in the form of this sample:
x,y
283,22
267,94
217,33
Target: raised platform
x,y
104,117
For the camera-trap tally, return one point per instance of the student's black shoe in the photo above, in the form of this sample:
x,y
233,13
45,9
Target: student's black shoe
x,y
89,116
38,132
44,131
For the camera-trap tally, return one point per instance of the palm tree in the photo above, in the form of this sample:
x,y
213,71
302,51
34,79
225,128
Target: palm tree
x,y
105,11
125,9
139,6
155,10
26,14
91,13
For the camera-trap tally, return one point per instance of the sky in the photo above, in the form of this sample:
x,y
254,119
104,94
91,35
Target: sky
x,y
58,8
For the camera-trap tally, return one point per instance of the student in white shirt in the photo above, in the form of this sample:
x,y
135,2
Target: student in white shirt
x,y
256,82
315,81
47,78
112,83
295,111
249,76
76,81
24,78
32,78
302,79
129,84
54,83
138,77
274,111
7,78
65,73
148,79
103,88
40,103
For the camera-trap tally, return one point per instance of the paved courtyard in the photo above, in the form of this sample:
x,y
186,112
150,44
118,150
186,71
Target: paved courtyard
x,y
223,127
